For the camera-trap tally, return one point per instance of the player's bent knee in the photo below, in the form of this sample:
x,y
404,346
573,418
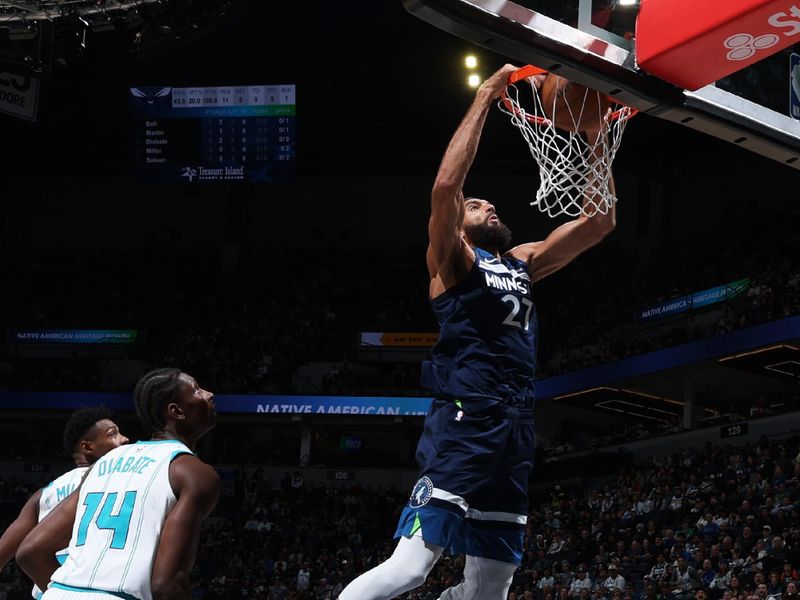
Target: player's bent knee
x,y
495,578
463,591
485,579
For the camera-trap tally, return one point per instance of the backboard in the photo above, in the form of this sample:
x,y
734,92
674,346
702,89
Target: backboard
x,y
593,43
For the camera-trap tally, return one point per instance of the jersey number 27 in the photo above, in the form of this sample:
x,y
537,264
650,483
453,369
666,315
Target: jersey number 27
x,y
516,308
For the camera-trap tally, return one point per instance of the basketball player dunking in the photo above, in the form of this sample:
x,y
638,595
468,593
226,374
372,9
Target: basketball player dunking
x,y
88,435
134,523
476,451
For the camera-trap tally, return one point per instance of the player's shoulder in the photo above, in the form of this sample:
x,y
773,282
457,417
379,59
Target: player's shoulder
x,y
73,473
524,252
154,448
189,469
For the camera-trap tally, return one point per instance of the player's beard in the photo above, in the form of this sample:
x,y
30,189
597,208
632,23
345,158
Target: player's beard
x,y
494,238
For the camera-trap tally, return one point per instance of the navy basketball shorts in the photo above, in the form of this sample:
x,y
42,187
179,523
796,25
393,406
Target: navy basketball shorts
x,y
472,494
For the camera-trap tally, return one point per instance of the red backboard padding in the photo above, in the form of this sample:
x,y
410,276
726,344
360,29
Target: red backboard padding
x,y
692,43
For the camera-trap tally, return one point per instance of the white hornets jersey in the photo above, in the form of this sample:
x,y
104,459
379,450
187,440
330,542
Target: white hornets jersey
x,y
122,506
53,493
58,489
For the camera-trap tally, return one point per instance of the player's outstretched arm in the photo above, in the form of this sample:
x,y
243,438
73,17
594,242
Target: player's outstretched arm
x,y
570,239
37,553
196,486
447,199
26,520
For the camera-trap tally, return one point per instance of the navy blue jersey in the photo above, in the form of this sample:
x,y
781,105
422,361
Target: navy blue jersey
x,y
486,352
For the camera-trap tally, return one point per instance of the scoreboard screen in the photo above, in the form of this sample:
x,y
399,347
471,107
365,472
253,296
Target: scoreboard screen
x,y
228,134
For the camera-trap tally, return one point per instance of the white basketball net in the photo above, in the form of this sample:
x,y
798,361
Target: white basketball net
x,y
575,172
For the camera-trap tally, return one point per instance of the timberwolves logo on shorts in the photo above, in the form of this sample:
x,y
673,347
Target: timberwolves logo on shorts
x,y
422,492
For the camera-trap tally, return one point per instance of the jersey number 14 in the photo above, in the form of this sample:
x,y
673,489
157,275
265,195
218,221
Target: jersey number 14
x,y
119,523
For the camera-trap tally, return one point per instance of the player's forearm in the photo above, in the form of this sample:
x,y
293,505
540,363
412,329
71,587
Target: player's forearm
x,y
601,224
592,226
175,588
38,565
594,202
463,146
10,541
24,523
36,554
608,220
170,577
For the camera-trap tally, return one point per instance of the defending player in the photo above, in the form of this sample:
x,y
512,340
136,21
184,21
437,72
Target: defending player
x,y
88,435
134,524
475,453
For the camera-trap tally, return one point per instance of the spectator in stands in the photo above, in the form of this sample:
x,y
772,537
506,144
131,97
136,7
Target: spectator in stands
x,y
324,590
643,506
777,557
649,591
581,583
747,540
788,572
583,547
546,582
708,527
684,579
707,573
556,547
553,522
278,590
722,578
659,569
766,538
614,579
599,593
761,591
303,579
775,584
736,589
566,575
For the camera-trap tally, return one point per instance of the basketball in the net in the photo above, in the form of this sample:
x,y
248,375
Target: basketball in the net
x,y
572,107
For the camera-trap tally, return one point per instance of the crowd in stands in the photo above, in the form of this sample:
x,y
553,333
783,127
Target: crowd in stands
x,y
247,329
576,333
252,326
710,523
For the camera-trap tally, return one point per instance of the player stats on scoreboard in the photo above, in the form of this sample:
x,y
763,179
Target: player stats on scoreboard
x,y
197,135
